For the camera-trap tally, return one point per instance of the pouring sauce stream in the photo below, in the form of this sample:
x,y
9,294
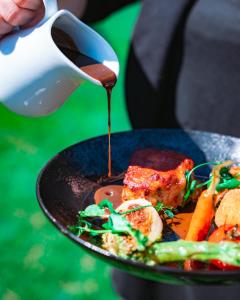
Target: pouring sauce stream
x,y
91,67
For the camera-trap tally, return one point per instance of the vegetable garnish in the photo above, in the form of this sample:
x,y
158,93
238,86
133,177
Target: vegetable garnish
x,y
92,211
204,210
192,184
226,180
116,223
167,210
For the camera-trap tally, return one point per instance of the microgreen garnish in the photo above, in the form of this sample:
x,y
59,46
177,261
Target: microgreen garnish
x,y
107,204
191,185
116,223
168,210
229,184
92,211
169,213
79,230
227,181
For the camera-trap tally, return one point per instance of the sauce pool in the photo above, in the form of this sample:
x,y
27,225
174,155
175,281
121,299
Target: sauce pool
x,y
111,192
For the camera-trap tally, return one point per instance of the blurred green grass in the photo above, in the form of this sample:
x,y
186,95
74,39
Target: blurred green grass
x,y
36,261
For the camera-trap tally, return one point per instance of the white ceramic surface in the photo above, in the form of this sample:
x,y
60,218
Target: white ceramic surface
x,y
35,76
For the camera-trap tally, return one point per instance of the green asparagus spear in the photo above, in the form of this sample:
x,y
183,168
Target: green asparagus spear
x,y
227,252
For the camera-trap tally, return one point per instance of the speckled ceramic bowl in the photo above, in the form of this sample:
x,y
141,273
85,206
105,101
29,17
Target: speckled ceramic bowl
x,y
66,185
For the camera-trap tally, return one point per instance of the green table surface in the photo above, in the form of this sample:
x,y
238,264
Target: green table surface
x,y
36,261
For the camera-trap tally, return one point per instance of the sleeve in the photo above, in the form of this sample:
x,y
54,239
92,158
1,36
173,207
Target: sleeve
x,y
99,9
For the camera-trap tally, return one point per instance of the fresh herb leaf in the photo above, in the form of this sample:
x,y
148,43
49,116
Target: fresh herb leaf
x,y
228,184
159,206
224,174
82,229
75,230
168,210
191,185
141,239
107,204
92,211
227,180
169,213
189,173
117,224
191,189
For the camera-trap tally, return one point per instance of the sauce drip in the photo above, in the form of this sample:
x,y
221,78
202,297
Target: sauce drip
x,y
91,67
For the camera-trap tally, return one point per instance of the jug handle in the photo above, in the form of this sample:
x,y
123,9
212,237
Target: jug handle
x,y
51,8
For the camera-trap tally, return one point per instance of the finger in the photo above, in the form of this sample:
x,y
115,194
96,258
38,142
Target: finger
x,y
14,15
4,27
38,17
29,4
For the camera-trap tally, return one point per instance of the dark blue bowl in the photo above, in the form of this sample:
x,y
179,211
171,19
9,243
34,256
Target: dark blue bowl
x,y
68,181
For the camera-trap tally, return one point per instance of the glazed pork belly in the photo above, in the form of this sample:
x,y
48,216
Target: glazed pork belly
x,y
163,181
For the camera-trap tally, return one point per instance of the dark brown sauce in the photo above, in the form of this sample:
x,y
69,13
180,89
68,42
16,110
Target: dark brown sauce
x,y
91,67
111,192
109,95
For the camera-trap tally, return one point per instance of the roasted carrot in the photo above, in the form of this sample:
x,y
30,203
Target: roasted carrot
x,y
202,218
204,210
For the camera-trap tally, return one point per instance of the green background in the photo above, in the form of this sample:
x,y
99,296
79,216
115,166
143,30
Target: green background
x,y
36,261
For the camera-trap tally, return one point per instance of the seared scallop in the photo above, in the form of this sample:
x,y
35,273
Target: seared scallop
x,y
146,220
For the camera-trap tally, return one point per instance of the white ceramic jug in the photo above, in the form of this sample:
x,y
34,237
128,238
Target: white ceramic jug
x,y
35,76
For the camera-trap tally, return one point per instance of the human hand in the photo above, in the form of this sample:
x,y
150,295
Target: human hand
x,y
23,13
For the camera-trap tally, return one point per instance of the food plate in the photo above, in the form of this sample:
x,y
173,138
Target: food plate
x,y
67,184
